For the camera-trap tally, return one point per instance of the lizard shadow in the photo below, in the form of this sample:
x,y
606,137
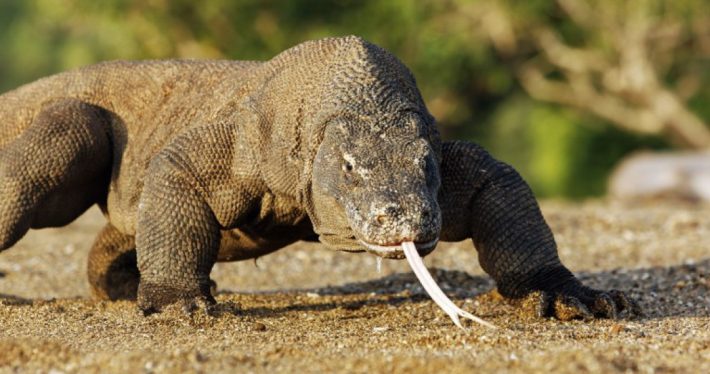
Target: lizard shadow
x,y
392,290
6,299
662,292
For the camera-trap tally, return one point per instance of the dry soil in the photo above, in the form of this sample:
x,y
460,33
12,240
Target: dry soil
x,y
309,309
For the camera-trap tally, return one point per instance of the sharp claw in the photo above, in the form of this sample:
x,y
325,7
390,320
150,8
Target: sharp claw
x,y
146,311
568,308
188,307
605,306
537,304
546,305
205,304
146,308
586,304
635,309
625,303
620,299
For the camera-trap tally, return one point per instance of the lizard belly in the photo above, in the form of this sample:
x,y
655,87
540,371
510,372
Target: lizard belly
x,y
247,242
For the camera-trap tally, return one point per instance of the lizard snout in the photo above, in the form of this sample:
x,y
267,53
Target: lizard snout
x,y
387,215
393,213
393,223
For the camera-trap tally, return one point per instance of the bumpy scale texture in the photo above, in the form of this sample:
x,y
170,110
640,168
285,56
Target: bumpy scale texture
x,y
194,162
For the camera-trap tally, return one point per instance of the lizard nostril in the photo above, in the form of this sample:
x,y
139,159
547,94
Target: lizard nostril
x,y
390,213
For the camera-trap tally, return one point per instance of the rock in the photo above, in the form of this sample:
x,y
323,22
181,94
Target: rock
x,y
676,175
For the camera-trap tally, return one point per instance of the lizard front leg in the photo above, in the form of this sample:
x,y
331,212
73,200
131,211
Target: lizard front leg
x,y
194,187
488,201
177,238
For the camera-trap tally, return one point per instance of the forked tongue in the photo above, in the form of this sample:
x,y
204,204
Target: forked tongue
x,y
417,265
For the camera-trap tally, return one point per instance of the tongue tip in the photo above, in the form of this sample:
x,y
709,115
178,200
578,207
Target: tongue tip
x,y
417,265
479,321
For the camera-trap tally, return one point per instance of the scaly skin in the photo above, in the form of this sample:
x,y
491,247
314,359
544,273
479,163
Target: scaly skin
x,y
195,162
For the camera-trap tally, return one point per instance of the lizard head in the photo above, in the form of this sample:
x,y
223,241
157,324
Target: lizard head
x,y
375,184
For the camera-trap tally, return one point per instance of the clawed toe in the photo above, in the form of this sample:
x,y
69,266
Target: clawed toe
x,y
588,304
153,298
200,303
543,307
148,310
567,308
187,306
626,304
585,304
542,304
604,307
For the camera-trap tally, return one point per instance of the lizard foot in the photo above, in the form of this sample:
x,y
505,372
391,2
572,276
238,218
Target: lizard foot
x,y
578,303
118,282
153,298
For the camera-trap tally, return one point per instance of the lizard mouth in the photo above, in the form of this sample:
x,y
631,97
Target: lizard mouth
x,y
395,251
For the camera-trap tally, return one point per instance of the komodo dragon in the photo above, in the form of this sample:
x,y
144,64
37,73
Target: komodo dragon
x,y
194,162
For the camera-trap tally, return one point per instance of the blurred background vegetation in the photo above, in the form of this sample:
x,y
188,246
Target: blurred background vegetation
x,y
560,89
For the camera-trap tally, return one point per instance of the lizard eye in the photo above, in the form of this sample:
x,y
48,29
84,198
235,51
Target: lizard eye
x,y
347,167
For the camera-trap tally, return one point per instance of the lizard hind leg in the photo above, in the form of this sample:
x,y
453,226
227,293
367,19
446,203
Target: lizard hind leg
x,y
112,267
55,169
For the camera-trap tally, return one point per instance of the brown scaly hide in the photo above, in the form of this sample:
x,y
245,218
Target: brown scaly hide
x,y
195,162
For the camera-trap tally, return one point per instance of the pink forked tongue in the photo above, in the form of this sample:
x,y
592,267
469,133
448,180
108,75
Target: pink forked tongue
x,y
417,265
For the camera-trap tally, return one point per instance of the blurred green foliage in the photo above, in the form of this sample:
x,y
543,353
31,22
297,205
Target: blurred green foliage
x,y
469,86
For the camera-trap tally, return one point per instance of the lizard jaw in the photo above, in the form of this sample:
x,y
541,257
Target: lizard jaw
x,y
395,251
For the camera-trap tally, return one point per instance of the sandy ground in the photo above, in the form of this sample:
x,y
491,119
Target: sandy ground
x,y
308,309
